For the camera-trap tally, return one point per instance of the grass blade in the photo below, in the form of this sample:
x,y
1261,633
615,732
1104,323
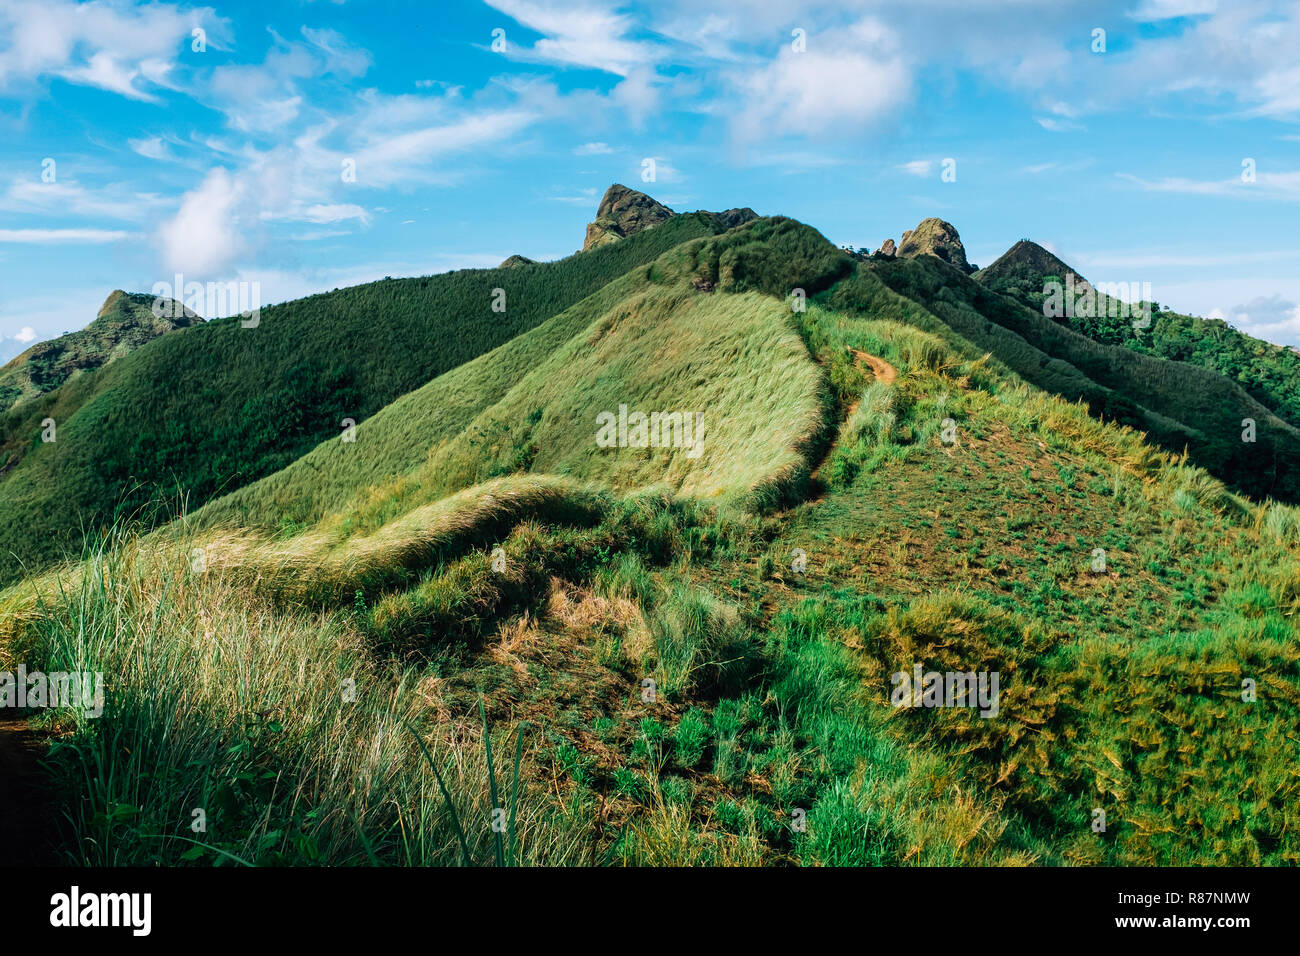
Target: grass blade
x,y
451,807
498,839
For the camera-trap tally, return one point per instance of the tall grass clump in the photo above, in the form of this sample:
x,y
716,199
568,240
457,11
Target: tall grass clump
x,y
701,644
235,731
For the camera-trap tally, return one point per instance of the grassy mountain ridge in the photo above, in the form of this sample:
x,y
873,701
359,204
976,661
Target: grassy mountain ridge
x,y
217,406
52,379
773,255
123,324
1269,373
694,656
1177,404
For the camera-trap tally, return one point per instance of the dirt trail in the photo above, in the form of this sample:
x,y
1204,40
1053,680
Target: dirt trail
x,y
881,369
24,827
883,372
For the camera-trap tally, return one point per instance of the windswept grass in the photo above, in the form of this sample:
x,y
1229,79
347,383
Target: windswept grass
x,y
237,731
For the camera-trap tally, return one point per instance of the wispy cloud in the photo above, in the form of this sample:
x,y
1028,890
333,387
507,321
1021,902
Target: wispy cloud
x,y
127,50
50,236
1145,259
576,34
1266,186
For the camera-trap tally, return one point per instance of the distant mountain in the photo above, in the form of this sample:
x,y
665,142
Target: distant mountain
x,y
1269,373
1177,405
622,213
124,323
1025,265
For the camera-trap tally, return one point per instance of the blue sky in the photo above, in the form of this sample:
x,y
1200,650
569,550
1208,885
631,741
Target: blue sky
x,y
227,163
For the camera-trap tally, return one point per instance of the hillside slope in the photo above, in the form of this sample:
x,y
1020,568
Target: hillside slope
x,y
218,405
688,675
1178,405
1270,373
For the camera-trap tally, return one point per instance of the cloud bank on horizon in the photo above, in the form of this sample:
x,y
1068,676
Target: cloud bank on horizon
x,y
310,146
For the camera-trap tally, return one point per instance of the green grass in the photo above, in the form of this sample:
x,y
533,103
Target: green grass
x,y
205,410
675,691
1179,406
655,349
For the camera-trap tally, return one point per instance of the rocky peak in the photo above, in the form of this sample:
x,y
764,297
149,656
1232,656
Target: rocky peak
x,y
937,238
622,213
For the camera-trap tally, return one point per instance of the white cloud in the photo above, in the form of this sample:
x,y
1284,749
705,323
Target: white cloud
x,y
588,35
266,97
593,149
584,197
917,167
1272,318
25,334
336,212
203,237
70,198
1152,10
1144,259
1053,125
48,236
845,77
405,157
152,147
1268,185
121,49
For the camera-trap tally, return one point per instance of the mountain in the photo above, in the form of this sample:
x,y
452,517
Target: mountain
x,y
1023,268
741,546
623,212
209,408
124,323
1269,373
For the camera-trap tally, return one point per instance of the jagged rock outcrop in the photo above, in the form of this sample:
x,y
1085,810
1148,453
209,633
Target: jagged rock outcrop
x,y
887,249
937,238
623,212
517,260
